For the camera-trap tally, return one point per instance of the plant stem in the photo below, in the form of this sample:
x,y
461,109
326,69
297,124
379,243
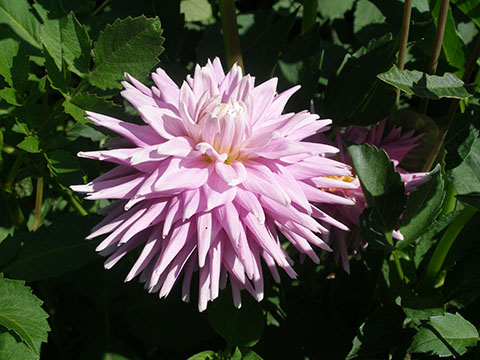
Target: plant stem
x,y
435,264
437,47
231,39
453,108
450,200
75,203
100,8
310,14
407,11
38,203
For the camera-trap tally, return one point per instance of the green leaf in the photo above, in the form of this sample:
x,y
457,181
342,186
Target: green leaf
x,y
466,176
239,327
261,54
59,78
76,46
50,33
421,308
80,130
10,96
469,8
196,10
463,281
380,332
448,335
13,62
128,45
460,137
354,90
427,240
80,103
65,167
381,184
19,17
452,43
66,40
30,144
300,63
423,206
11,349
21,312
55,250
204,355
427,86
335,9
366,13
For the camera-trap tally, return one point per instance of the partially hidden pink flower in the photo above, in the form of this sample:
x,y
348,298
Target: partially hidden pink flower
x,y
206,183
397,146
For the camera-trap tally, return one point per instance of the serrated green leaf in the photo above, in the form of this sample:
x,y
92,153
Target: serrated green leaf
x,y
50,32
80,103
239,327
59,78
448,335
13,62
128,45
30,144
18,16
11,349
21,312
466,176
76,46
427,86
55,250
381,184
65,39
423,206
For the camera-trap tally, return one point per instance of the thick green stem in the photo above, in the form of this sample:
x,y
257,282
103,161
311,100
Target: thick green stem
x,y
231,39
450,200
310,14
38,203
407,11
437,47
436,262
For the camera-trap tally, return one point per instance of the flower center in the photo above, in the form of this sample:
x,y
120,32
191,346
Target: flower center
x,y
223,126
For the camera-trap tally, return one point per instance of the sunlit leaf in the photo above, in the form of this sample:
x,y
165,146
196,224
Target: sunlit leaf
x,y
427,86
128,45
21,312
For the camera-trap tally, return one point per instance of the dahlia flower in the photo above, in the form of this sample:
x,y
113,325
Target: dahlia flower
x,y
207,181
397,146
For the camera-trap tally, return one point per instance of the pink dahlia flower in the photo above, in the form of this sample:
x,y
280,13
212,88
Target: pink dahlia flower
x,y
206,183
397,146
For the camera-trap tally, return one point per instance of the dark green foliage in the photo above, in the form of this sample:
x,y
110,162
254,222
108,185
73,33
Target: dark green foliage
x,y
61,58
